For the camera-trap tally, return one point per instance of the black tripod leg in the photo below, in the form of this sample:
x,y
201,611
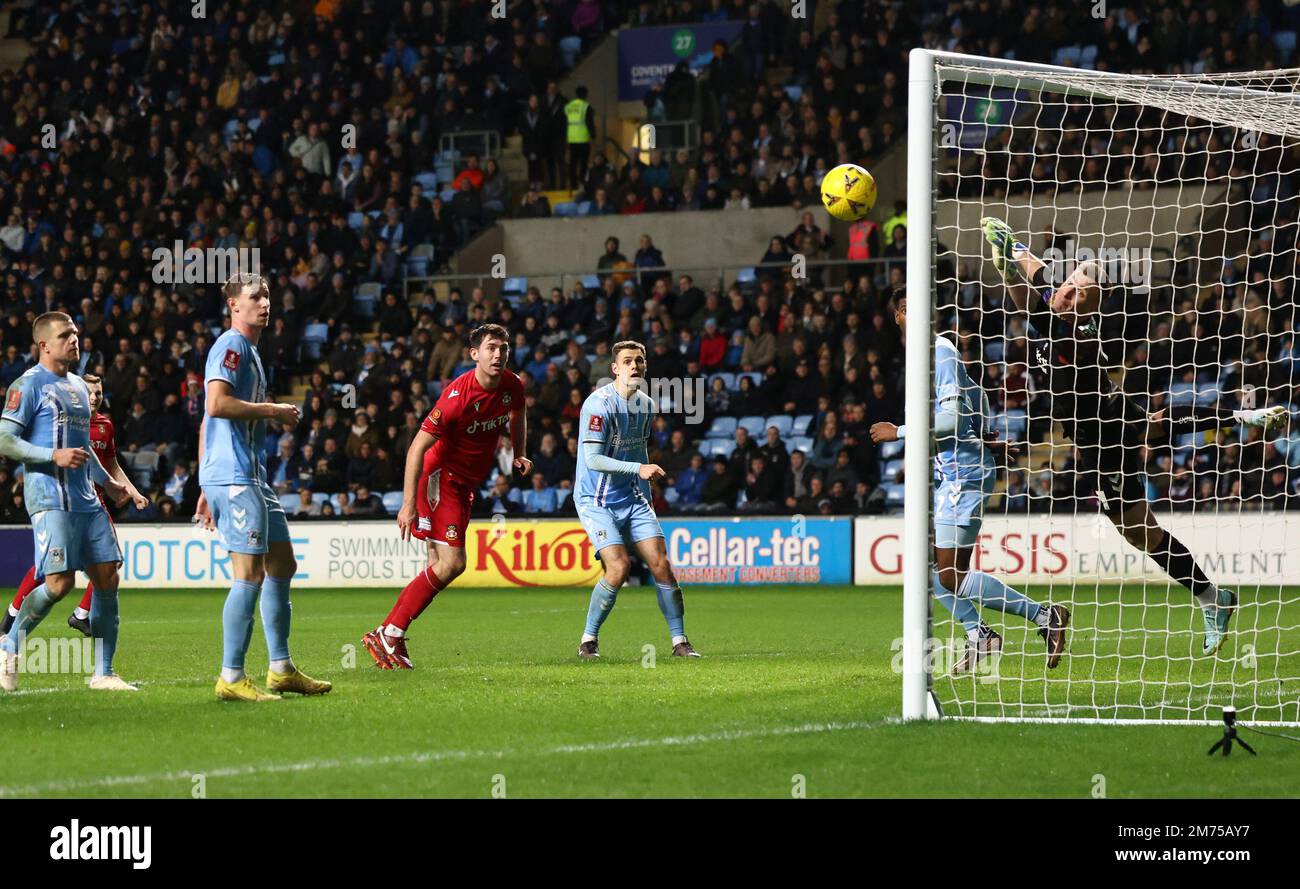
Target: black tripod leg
x,y
1249,749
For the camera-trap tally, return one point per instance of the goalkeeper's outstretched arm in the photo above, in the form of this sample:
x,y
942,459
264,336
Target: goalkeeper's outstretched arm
x,y
1076,300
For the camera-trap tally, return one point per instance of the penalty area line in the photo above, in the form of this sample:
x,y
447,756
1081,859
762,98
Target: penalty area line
x,y
421,757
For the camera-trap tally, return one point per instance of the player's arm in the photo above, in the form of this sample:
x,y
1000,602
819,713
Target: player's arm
x,y
99,475
202,513
411,480
222,403
17,448
519,439
115,470
593,425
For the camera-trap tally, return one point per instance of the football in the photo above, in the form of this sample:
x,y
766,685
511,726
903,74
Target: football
x,y
848,192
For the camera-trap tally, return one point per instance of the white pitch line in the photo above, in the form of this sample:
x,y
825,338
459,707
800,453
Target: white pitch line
x,y
434,756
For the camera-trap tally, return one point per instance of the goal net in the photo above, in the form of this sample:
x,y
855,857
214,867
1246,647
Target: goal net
x,y
1178,196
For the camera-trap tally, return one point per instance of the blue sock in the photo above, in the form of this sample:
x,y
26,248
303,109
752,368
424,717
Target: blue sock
x,y
672,606
103,627
603,597
277,614
962,610
993,593
237,623
34,608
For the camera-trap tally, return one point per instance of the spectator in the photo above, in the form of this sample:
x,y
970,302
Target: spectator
x,y
540,498
720,490
175,486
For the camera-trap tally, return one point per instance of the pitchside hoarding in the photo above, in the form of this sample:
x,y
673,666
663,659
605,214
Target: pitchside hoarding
x,y
1242,549
506,553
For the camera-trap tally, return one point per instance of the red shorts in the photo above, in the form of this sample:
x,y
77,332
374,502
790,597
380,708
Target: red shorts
x,y
443,501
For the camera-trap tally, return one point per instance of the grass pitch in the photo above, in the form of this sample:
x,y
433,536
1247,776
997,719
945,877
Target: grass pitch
x,y
796,692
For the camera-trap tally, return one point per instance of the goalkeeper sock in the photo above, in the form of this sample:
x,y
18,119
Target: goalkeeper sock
x,y
1177,562
962,610
603,597
34,609
237,627
104,622
993,593
673,608
277,616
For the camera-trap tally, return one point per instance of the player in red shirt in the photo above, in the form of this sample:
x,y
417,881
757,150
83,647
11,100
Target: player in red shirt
x,y
102,440
448,461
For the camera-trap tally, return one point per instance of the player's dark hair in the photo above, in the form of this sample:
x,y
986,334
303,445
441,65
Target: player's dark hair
x,y
483,331
92,378
626,344
41,324
236,283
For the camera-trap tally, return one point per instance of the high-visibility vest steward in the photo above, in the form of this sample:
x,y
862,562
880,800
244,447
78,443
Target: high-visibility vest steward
x,y
576,113
860,239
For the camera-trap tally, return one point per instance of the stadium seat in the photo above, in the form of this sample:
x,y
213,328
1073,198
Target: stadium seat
x,y
1181,392
229,130
356,220
569,48
445,172
754,377
428,180
794,91
514,289
1088,59
275,59
565,209
746,278
890,450
728,380
801,443
1068,55
671,495
289,502
893,495
562,497
1017,424
584,208
392,502
757,426
591,282
320,498
802,423
722,427
365,300
447,194
889,471
784,424
720,446
1285,42
417,263
313,338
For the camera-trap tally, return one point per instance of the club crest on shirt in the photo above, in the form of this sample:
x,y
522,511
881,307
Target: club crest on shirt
x,y
436,417
452,533
71,393
254,537
596,424
15,398
505,398
231,361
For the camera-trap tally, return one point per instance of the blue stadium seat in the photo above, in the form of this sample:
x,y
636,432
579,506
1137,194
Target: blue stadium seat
x,y
722,427
356,220
893,495
565,209
1181,392
584,208
757,426
671,495
417,263
716,446
289,502
313,338
1068,55
890,450
392,502
514,288
889,470
447,194
784,424
728,380
1017,425
569,49
1285,42
746,277
754,377
445,172
801,443
428,180
802,422
562,497
734,353
591,282
275,58
794,91
1089,57
320,498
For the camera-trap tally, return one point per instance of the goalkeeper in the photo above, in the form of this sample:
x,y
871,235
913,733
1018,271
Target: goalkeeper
x,y
1108,427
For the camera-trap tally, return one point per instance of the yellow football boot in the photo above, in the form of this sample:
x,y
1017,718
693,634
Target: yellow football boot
x,y
297,681
243,690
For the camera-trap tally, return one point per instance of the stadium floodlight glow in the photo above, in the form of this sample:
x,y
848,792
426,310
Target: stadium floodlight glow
x,y
1160,206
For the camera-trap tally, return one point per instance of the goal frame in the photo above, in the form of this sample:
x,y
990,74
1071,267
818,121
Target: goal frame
x,y
925,75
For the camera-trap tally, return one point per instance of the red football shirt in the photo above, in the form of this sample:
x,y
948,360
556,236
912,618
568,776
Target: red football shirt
x,y
102,442
468,420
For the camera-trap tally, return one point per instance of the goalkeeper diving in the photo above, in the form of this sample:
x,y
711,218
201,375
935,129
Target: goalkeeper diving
x,y
1107,426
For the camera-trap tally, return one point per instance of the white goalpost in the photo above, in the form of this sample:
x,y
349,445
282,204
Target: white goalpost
x,y
1179,196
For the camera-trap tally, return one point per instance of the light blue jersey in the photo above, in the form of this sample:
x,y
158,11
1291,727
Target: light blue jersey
x,y
54,412
960,456
232,449
621,427
965,471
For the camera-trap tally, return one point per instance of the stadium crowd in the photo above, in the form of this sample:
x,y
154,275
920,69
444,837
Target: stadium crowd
x,y
224,133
